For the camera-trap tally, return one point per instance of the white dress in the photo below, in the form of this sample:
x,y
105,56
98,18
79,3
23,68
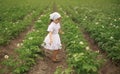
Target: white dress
x,y
56,43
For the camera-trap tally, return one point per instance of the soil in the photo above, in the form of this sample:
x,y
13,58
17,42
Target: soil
x,y
47,66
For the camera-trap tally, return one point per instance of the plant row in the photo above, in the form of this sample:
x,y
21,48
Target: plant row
x,y
81,59
15,19
102,27
28,51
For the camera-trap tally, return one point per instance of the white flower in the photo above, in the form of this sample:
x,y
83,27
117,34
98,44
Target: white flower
x,y
67,16
18,45
21,44
97,51
42,15
111,37
103,26
38,20
6,28
117,26
23,40
75,55
84,19
76,36
43,44
81,43
115,19
97,23
37,31
6,56
111,24
17,22
13,23
76,12
33,12
85,16
60,8
33,29
114,26
80,54
77,27
87,48
90,10
30,38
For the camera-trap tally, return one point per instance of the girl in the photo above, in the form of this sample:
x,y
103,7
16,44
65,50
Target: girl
x,y
52,40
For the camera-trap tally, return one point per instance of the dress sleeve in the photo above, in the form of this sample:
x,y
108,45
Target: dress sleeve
x,y
50,28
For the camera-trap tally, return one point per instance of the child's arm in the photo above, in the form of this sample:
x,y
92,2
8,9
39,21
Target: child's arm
x,y
50,34
61,32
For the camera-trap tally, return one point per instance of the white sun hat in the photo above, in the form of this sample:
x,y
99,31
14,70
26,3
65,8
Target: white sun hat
x,y
55,16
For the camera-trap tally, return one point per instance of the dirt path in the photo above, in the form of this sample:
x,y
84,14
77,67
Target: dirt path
x,y
9,48
13,43
108,67
47,66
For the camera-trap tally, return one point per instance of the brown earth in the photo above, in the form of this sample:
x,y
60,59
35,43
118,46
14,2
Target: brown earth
x,y
47,66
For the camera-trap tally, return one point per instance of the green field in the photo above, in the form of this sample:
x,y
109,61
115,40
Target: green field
x,y
99,20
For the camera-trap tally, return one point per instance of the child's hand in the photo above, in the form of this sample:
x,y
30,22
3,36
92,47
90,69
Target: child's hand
x,y
62,33
51,42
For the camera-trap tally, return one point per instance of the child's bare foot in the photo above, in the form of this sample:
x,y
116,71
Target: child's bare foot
x,y
55,60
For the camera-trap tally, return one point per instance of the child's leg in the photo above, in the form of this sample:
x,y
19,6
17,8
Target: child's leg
x,y
55,52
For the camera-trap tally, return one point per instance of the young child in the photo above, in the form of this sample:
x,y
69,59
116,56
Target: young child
x,y
52,40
